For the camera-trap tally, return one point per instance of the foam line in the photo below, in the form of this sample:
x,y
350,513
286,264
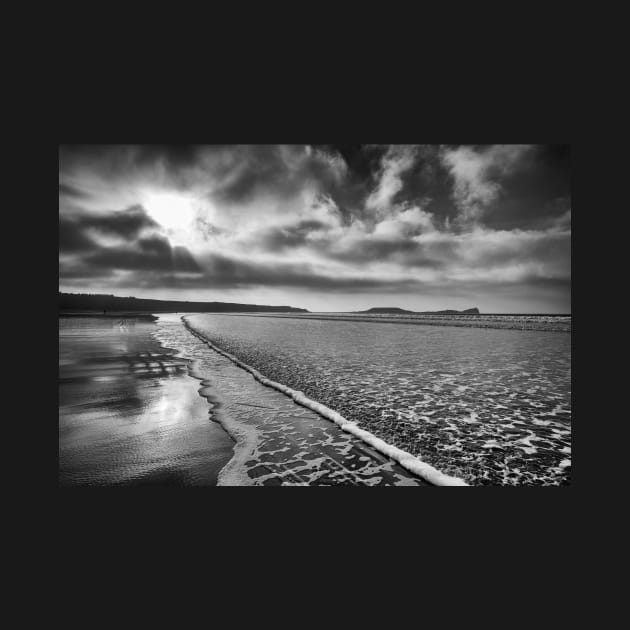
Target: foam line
x,y
245,437
406,460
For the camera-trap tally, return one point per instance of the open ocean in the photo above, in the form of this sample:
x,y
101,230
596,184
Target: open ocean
x,y
486,399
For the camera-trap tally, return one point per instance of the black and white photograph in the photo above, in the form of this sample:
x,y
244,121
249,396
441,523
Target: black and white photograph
x,y
314,315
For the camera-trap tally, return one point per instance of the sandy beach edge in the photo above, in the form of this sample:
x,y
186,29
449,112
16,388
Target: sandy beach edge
x,y
130,411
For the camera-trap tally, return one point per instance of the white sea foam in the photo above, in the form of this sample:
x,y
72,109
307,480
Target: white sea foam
x,y
472,418
245,436
405,459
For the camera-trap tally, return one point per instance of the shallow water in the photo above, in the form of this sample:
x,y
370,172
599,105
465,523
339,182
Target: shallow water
x,y
277,441
129,413
489,405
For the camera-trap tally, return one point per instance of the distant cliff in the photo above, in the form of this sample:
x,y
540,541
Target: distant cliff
x,y
90,302
394,310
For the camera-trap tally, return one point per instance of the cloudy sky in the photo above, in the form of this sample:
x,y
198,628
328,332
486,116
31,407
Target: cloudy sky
x,y
322,227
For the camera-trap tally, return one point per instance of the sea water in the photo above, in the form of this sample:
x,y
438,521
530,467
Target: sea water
x,y
486,403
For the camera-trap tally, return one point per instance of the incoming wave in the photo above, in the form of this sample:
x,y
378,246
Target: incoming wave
x,y
406,460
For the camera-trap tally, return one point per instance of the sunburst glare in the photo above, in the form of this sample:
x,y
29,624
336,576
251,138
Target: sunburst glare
x,y
173,211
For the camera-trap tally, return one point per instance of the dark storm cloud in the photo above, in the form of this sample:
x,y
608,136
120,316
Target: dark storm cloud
x,y
536,194
510,186
363,160
282,172
526,181
155,245
287,237
407,252
183,259
128,223
427,183
140,259
72,236
159,249
271,170
75,231
138,251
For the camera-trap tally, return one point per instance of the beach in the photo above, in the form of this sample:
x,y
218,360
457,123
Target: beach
x,y
145,402
129,411
315,315
205,400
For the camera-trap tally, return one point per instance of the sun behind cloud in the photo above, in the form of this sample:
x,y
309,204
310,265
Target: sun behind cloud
x,y
175,212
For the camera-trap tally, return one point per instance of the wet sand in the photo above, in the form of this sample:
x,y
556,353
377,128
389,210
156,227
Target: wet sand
x,y
129,412
278,442
132,412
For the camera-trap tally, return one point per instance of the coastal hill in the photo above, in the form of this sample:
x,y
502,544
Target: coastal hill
x,y
100,303
394,311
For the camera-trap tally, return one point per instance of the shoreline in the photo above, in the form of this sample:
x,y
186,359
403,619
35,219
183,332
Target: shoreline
x,y
277,441
141,380
130,411
489,407
409,462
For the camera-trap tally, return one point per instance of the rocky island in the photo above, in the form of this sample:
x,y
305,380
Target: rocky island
x,y
402,311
